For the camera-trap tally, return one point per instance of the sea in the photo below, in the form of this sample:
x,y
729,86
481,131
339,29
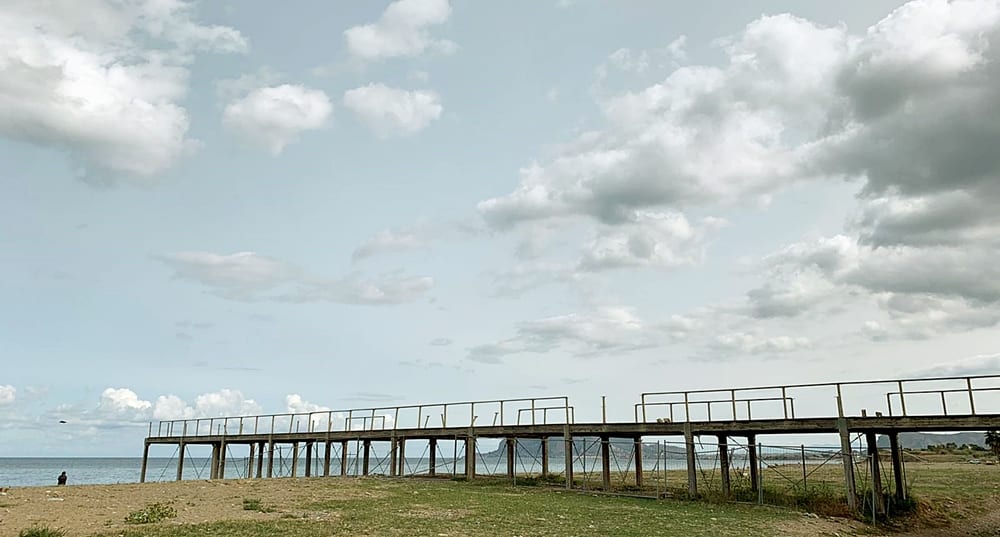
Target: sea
x,y
42,471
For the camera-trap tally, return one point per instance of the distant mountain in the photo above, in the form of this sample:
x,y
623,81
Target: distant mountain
x,y
922,440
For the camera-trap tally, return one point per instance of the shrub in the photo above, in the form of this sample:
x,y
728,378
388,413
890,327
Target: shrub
x,y
154,512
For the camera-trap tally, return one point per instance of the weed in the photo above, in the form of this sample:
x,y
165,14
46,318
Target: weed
x,y
42,531
254,504
154,512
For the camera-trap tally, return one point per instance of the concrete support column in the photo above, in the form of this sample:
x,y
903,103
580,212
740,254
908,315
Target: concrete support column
x,y
295,459
393,453
637,455
432,457
754,464
251,447
145,462
221,474
879,506
724,464
327,446
568,440
848,464
470,457
897,465
545,455
270,458
606,463
213,463
180,460
401,472
691,461
309,459
366,457
511,460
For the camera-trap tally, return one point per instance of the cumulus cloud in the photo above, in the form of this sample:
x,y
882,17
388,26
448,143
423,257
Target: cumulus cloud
x,y
652,239
248,276
704,134
82,79
273,117
295,404
391,112
403,30
8,394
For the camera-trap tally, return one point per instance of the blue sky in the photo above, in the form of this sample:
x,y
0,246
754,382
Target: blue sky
x,y
236,207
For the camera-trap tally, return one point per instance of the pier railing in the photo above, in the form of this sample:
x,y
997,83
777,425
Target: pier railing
x,y
497,412
935,396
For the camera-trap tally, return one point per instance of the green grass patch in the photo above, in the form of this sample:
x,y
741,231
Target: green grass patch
x,y
254,504
152,513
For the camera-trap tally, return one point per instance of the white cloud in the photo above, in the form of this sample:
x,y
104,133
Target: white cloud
x,y
273,117
983,364
678,48
8,394
122,401
746,343
604,330
390,240
80,79
403,30
295,404
391,112
652,239
248,276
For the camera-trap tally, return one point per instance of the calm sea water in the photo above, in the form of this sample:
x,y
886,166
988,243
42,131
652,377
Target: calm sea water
x,y
32,472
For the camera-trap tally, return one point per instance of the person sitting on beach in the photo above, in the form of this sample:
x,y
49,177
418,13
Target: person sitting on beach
x,y
62,478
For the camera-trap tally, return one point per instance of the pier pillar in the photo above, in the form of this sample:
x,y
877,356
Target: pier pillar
x,y
545,455
180,460
251,447
295,459
568,442
606,463
432,457
637,455
221,474
511,460
260,460
897,465
343,457
470,457
327,446
848,464
366,458
754,465
879,499
724,464
393,454
213,463
401,472
270,458
145,462
309,459
692,467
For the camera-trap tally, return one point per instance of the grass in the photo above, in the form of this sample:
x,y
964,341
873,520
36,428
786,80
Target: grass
x,y
42,531
397,508
254,504
152,513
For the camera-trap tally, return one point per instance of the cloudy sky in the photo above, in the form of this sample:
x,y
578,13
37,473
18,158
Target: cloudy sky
x,y
236,207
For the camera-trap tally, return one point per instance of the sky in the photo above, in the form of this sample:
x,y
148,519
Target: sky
x,y
220,208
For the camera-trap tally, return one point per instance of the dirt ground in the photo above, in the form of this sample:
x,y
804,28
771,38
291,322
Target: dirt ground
x,y
87,509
